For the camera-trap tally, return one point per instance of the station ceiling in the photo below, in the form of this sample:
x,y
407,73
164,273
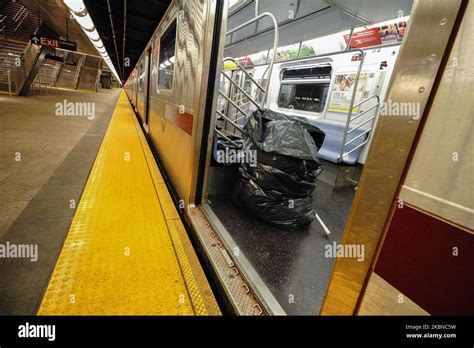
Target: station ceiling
x,y
142,18
55,15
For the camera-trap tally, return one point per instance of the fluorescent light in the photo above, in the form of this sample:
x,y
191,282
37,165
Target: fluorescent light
x,y
75,5
79,12
84,21
93,35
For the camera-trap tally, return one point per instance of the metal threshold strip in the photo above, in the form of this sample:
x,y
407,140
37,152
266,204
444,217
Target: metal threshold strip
x,y
247,291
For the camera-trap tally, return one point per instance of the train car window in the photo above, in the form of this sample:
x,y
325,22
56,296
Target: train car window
x,y
319,72
141,77
306,96
167,58
305,89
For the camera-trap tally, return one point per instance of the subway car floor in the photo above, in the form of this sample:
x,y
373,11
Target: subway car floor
x,y
122,249
291,263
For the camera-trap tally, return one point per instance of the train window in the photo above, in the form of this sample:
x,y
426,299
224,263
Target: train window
x,y
167,58
141,77
318,72
305,89
303,96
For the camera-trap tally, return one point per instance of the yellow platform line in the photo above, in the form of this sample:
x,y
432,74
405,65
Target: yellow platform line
x,y
198,288
122,255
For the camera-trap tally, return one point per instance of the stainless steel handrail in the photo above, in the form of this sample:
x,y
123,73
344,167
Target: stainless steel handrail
x,y
244,71
233,103
351,105
232,122
347,131
275,43
240,89
236,95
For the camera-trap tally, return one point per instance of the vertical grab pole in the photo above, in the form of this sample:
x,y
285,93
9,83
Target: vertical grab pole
x,y
349,116
348,47
275,45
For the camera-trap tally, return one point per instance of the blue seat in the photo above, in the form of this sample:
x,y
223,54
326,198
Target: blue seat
x,y
333,141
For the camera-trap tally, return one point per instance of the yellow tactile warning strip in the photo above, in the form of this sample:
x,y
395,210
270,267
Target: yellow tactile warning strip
x,y
125,252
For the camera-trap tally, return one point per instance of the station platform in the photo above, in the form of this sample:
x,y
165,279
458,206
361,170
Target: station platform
x,y
126,251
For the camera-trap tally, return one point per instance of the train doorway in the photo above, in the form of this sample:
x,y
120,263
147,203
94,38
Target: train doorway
x,y
148,87
286,214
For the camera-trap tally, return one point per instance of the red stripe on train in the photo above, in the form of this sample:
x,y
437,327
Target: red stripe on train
x,y
183,120
417,259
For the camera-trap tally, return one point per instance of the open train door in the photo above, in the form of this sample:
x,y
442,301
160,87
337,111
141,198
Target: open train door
x,y
148,86
421,54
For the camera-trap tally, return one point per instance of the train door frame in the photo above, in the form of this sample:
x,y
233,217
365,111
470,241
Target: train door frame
x,y
136,89
148,89
367,220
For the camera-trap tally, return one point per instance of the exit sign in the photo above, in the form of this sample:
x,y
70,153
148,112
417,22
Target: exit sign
x,y
56,43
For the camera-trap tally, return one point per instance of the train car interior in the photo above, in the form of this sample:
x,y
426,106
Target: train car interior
x,y
322,65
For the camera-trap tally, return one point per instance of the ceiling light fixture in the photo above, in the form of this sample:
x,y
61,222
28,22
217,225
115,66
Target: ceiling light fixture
x,y
79,11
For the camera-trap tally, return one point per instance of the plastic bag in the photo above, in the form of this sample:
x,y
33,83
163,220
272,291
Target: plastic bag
x,y
278,188
273,179
280,134
307,170
277,210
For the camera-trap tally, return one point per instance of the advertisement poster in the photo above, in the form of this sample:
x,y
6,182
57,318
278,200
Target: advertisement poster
x,y
385,34
341,92
365,38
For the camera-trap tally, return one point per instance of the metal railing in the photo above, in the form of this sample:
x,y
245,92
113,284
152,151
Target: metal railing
x,y
77,73
20,21
20,13
97,77
366,133
44,81
2,23
236,99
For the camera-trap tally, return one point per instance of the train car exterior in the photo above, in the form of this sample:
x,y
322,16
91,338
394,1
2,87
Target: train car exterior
x,y
174,69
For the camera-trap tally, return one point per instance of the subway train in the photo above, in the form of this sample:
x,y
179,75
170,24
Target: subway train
x,y
373,80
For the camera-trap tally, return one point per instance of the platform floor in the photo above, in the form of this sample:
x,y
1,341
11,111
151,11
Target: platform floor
x,y
36,192
121,244
125,253
34,142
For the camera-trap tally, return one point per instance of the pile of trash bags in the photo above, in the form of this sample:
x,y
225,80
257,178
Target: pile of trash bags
x,y
278,187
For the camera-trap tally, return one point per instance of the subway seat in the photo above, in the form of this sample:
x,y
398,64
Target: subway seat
x,y
332,142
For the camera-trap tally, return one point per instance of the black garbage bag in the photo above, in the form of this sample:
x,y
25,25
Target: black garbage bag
x,y
275,209
305,169
278,188
273,179
280,134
